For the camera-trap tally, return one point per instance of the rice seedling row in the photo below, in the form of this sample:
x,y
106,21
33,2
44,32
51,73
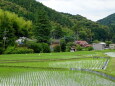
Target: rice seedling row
x,y
53,78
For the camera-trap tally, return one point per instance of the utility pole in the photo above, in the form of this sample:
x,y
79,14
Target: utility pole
x,y
5,32
4,38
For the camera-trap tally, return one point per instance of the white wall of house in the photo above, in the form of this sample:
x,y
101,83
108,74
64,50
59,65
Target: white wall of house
x,y
112,46
99,46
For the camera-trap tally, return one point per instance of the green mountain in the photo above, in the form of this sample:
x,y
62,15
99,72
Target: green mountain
x,y
109,20
75,26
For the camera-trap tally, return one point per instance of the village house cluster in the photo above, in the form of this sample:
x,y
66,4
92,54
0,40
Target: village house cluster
x,y
84,44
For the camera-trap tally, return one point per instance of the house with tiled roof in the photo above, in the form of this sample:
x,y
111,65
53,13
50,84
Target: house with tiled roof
x,y
83,43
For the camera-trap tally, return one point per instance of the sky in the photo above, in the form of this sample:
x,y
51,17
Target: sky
x,y
92,9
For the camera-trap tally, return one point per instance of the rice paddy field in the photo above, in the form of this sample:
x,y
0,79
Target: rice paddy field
x,y
56,69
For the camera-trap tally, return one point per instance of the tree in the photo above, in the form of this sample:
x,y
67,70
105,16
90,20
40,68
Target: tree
x,y
42,27
76,28
113,39
57,32
63,45
108,42
11,28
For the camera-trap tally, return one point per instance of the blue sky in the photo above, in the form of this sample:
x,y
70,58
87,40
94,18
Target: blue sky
x,y
92,9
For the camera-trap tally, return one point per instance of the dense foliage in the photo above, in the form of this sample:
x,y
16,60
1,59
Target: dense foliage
x,y
42,28
34,20
110,22
12,27
89,30
18,50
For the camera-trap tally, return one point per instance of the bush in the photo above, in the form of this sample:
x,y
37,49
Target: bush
x,y
68,48
79,48
37,47
89,48
9,50
18,50
63,45
22,50
45,48
69,45
1,48
57,48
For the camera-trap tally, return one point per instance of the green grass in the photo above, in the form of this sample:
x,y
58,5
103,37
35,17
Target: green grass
x,y
51,55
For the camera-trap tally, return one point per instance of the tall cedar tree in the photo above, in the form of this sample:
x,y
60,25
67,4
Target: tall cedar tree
x,y
42,27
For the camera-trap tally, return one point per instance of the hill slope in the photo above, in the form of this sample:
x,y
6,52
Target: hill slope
x,y
29,9
109,20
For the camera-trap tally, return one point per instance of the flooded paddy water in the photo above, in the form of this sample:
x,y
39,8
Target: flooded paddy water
x,y
46,77
71,72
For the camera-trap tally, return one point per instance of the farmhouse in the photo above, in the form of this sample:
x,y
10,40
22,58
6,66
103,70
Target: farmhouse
x,y
99,46
22,40
112,46
83,43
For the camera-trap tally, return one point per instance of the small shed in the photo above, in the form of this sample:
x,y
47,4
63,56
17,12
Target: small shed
x,y
73,49
99,46
112,46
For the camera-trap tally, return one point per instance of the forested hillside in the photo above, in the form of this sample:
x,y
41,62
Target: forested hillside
x,y
29,9
48,24
110,22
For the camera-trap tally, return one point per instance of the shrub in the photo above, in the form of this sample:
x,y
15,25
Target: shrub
x,y
9,50
22,50
69,45
68,48
37,47
45,48
1,48
79,48
89,48
18,50
63,45
57,48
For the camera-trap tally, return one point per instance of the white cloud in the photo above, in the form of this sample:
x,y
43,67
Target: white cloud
x,y
92,9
